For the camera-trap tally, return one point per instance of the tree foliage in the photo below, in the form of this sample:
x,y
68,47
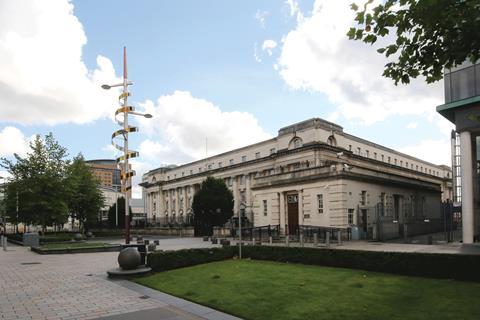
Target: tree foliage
x,y
37,193
112,213
212,205
428,35
85,198
46,188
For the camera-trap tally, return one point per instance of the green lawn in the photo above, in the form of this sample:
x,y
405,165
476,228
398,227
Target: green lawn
x,y
269,290
74,245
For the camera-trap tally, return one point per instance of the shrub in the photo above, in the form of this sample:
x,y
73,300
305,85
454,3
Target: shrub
x,y
445,266
168,260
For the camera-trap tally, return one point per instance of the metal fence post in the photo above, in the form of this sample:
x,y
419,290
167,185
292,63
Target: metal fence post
x,y
327,238
339,237
315,239
301,240
287,241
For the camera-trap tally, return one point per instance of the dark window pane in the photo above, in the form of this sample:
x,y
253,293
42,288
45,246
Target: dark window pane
x,y
463,84
477,79
448,96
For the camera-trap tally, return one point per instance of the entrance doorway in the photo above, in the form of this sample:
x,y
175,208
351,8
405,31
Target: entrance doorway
x,y
292,209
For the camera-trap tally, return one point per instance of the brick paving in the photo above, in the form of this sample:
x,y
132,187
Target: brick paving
x,y
71,286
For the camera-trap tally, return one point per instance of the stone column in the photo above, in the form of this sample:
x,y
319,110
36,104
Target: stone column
x,y
236,198
466,164
248,192
281,197
300,206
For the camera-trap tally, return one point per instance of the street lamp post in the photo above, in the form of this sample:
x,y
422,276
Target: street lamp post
x,y
126,174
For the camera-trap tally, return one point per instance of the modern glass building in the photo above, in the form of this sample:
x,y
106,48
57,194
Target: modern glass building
x,y
462,108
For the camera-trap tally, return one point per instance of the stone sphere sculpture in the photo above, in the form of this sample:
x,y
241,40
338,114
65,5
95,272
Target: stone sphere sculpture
x,y
77,237
89,234
129,258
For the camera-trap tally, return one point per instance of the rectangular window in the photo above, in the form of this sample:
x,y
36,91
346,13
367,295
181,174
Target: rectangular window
x,y
375,155
200,169
244,158
395,161
350,216
272,151
359,151
363,198
389,159
209,167
231,162
320,203
220,164
349,147
183,173
296,166
191,171
265,208
257,155
383,158
401,163
367,152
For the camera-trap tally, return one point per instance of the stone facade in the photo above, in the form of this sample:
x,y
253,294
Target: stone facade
x,y
312,173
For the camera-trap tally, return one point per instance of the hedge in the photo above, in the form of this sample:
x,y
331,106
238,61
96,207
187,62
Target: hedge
x,y
443,266
168,260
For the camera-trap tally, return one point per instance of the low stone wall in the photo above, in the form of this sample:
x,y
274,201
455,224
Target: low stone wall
x,y
181,232
76,250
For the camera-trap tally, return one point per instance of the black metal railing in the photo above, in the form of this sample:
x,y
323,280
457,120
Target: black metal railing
x,y
308,233
171,221
261,233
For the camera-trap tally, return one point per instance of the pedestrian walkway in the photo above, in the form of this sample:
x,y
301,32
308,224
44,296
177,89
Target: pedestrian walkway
x,y
75,286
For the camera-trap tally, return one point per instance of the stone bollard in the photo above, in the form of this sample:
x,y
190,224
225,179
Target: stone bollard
x,y
339,237
315,239
3,241
327,238
301,240
270,240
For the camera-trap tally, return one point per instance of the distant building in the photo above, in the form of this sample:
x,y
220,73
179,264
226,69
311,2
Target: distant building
x,y
311,174
106,171
462,108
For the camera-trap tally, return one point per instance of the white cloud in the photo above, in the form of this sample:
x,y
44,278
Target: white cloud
x,y
13,141
261,16
295,10
434,151
412,125
269,45
186,124
318,56
255,53
43,79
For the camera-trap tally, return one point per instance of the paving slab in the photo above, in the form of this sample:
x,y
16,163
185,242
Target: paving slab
x,y
76,287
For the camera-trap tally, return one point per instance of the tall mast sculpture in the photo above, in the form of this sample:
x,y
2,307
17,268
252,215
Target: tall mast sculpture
x,y
122,134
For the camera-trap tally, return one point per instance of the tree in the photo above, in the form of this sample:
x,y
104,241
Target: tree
x,y
429,35
112,214
85,198
37,192
212,206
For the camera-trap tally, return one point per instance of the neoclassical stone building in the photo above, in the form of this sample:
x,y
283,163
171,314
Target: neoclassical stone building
x,y
313,173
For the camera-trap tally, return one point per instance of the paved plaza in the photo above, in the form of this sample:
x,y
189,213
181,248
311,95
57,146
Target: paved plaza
x,y
75,286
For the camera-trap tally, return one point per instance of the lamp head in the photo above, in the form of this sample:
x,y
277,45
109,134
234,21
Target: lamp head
x,y
106,86
147,115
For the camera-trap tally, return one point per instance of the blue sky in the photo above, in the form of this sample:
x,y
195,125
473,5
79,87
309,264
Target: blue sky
x,y
231,72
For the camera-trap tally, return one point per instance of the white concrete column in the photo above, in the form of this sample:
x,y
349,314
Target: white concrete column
x,y
248,192
282,212
236,198
466,164
185,200
300,206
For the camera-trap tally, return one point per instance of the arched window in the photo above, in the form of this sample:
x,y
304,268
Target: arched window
x,y
331,141
295,143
